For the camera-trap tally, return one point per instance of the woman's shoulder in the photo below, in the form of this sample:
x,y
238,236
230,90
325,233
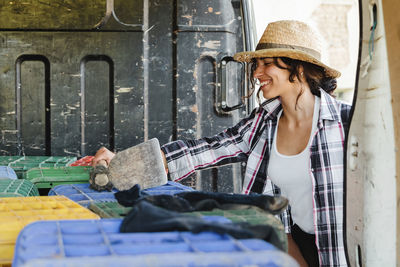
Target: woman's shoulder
x,y
343,103
344,109
340,107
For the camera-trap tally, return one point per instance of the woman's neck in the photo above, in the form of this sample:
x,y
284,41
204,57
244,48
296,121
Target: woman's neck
x,y
298,108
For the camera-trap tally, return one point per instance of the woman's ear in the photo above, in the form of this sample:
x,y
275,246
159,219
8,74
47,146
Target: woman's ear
x,y
300,71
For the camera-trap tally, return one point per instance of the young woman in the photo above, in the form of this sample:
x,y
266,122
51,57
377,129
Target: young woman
x,y
292,144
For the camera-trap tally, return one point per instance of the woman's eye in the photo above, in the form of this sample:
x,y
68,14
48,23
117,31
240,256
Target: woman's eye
x,y
262,63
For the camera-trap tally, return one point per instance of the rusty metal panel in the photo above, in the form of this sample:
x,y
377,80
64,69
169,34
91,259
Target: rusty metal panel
x,y
97,120
207,31
160,78
66,52
71,15
32,105
148,69
110,86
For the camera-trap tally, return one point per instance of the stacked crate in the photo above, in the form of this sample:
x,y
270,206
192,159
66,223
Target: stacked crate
x,y
84,195
7,173
47,177
93,243
21,164
17,212
85,161
17,188
11,186
80,241
20,204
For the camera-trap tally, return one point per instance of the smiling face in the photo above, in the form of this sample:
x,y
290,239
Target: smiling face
x,y
274,81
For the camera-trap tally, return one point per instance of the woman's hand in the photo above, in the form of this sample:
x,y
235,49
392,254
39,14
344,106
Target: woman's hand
x,y
164,161
102,154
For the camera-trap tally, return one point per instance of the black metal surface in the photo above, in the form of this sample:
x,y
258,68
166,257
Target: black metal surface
x,y
33,109
206,29
94,130
149,70
66,51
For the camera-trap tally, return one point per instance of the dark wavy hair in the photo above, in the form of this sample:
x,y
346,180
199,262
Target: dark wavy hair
x,y
315,75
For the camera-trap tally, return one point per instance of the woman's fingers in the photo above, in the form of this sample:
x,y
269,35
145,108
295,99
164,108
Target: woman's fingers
x,y
102,154
164,161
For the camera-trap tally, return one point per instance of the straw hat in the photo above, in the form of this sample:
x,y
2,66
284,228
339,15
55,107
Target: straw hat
x,y
292,39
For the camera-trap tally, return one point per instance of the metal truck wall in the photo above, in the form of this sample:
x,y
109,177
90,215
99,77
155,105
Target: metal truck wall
x,y
78,75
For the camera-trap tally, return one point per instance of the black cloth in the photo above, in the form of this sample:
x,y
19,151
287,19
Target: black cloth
x,y
160,213
306,244
146,217
201,201
128,197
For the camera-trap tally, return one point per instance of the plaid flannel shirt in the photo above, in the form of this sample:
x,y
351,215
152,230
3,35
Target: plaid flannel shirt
x,y
251,140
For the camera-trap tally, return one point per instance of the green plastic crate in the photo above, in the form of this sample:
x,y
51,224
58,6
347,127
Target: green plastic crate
x,y
21,164
246,214
17,188
109,209
251,215
48,177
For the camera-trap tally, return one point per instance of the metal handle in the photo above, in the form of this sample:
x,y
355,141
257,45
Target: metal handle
x,y
222,87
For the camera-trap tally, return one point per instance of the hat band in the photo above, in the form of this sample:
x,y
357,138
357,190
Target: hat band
x,y
307,50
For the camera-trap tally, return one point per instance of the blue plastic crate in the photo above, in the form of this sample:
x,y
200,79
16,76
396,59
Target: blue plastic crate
x,y
83,194
170,188
223,259
56,243
7,173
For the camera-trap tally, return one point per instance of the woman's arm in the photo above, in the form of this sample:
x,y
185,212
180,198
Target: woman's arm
x,y
232,145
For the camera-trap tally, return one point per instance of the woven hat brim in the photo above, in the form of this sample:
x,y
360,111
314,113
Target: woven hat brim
x,y
247,56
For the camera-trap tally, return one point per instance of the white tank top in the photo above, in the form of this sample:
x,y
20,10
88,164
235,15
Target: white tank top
x,y
292,175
